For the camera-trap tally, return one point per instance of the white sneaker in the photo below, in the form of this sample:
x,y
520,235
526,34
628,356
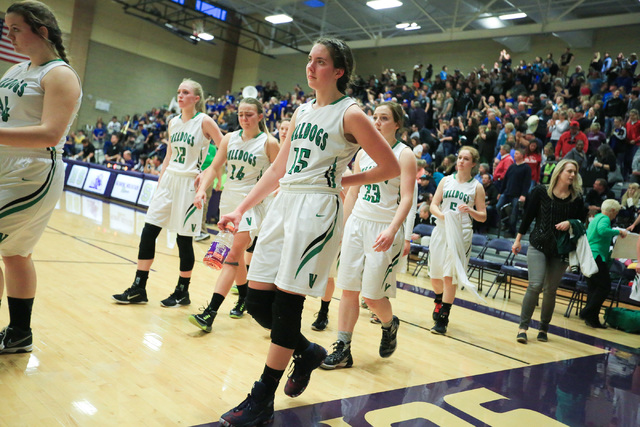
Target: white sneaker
x,y
201,237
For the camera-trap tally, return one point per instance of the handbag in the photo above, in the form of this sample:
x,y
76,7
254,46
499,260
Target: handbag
x,y
615,176
635,289
623,319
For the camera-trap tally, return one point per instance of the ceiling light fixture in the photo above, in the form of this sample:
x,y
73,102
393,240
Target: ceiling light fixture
x,y
206,36
383,4
412,27
278,19
510,16
402,25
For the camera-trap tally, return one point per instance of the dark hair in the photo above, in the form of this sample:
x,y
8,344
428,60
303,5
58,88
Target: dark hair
x,y
396,112
342,57
36,15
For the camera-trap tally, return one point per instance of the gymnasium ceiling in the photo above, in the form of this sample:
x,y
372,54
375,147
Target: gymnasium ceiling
x,y
439,20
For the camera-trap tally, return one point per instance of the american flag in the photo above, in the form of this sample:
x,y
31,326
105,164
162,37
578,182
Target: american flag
x,y
7,53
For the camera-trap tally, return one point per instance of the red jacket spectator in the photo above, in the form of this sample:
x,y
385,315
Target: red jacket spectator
x,y
534,160
501,170
568,140
633,128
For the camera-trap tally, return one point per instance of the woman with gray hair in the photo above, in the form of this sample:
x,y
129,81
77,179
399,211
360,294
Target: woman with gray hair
x,y
599,235
552,208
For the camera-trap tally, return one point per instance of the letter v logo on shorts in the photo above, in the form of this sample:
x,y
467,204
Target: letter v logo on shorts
x,y
3,236
312,279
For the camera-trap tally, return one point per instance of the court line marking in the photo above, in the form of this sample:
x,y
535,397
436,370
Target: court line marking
x,y
95,246
80,262
515,318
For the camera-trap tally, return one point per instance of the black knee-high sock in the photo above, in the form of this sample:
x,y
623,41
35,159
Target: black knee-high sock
x,y
271,378
303,344
141,279
446,309
20,313
216,301
242,290
438,299
183,284
324,306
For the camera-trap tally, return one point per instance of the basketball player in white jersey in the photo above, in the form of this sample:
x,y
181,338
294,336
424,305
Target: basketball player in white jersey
x,y
39,100
374,241
463,194
248,153
172,205
300,235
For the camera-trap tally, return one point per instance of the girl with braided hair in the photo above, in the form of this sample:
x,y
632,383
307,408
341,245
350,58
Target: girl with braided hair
x,y
40,99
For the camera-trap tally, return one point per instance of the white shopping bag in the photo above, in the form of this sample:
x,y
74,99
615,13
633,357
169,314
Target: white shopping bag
x,y
635,289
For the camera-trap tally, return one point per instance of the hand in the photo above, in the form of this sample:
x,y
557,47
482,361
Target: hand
x,y
234,218
630,228
407,248
196,182
563,226
464,208
515,248
623,233
200,199
384,241
522,199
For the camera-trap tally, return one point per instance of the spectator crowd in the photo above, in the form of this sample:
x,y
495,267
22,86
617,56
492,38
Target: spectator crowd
x,y
523,118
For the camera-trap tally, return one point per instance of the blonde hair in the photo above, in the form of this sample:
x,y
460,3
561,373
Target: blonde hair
x,y
197,91
636,194
576,187
262,125
610,205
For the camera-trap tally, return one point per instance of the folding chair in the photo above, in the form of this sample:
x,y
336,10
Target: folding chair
x,y
509,270
424,230
491,259
577,284
619,275
478,247
504,214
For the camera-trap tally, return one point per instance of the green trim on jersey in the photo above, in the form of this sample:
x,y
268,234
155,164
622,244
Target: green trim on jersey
x,y
49,62
330,174
456,173
338,100
32,198
316,246
396,144
242,130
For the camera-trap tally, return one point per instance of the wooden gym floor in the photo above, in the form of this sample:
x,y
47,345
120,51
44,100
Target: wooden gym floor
x,y
99,363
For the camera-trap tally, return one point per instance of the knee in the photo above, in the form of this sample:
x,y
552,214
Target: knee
x,y
259,304
350,295
185,249
147,247
287,319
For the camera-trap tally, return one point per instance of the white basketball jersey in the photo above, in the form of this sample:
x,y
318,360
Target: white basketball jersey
x,y
22,99
379,202
189,146
319,151
455,193
246,161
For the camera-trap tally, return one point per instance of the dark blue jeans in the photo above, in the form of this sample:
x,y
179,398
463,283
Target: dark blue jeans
x,y
513,218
